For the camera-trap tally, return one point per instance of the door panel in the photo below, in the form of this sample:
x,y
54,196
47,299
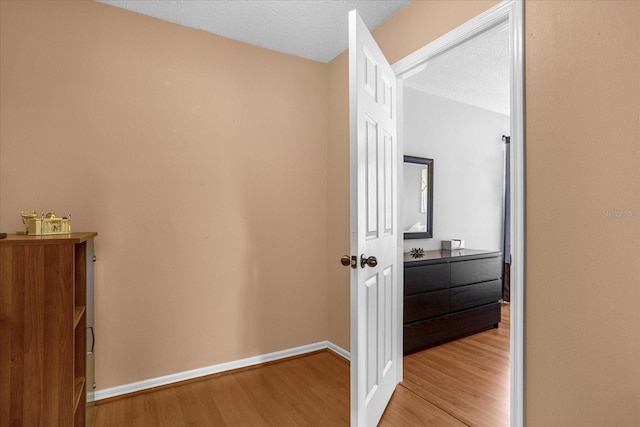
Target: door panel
x,y
376,332
372,177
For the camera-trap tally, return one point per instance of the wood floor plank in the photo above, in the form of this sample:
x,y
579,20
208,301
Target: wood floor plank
x,y
273,397
408,409
169,408
115,417
134,411
310,380
151,412
198,407
234,403
465,382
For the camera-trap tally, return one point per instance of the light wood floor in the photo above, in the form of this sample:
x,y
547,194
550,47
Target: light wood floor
x,y
465,382
467,378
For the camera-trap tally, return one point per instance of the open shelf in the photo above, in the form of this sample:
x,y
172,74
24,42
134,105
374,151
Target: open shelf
x,y
78,389
77,315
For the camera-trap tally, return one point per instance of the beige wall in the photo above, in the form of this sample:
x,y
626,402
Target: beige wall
x,y
583,266
201,163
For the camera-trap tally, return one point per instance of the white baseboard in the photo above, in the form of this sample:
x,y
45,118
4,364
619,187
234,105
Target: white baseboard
x,y
215,369
341,351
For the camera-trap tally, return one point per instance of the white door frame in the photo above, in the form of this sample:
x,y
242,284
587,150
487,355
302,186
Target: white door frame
x,y
507,12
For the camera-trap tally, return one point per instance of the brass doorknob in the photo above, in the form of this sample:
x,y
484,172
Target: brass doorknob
x,y
345,260
371,261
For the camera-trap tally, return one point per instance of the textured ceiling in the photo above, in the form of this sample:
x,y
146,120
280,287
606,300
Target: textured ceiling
x,y
476,73
314,29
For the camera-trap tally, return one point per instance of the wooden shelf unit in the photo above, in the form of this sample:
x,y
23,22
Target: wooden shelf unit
x,y
43,329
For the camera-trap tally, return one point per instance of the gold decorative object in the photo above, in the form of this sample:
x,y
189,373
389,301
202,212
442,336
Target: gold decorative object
x,y
39,225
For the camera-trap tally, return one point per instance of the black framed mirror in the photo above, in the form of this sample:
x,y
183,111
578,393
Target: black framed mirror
x,y
418,198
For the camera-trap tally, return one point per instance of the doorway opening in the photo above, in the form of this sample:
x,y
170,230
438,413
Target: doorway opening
x,y
437,78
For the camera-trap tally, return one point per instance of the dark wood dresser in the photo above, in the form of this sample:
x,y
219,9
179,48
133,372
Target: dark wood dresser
x,y
449,295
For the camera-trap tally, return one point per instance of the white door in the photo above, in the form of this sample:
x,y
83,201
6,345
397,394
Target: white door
x,y
376,332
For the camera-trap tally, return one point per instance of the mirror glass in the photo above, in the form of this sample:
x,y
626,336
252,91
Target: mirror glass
x,y
418,198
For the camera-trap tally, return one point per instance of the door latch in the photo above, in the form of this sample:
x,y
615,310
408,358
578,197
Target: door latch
x,y
347,261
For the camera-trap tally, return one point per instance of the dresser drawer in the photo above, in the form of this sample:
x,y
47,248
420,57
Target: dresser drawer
x,y
420,335
477,270
469,296
426,278
423,306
